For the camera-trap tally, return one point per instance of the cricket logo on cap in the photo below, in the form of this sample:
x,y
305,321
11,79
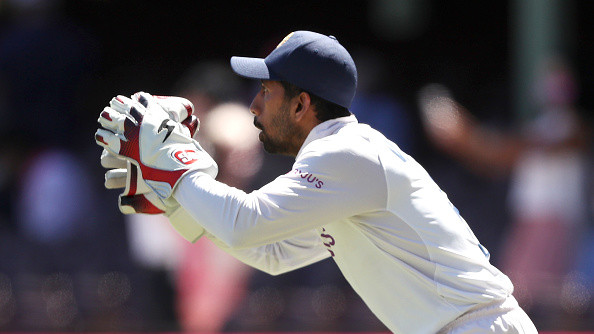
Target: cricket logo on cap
x,y
285,40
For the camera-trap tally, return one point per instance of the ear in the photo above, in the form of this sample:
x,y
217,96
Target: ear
x,y
304,108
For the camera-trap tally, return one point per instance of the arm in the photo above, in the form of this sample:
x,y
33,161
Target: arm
x,y
274,259
489,151
322,188
280,257
452,129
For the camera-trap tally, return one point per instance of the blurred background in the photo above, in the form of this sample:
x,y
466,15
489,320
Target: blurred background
x,y
514,152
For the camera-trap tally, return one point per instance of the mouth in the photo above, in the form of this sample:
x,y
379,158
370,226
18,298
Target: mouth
x,y
258,125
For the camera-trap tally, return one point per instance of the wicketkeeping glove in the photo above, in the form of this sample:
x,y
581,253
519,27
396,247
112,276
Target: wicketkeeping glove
x,y
137,197
143,132
126,175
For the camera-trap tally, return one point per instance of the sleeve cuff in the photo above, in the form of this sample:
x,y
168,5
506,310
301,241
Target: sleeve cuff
x,y
185,225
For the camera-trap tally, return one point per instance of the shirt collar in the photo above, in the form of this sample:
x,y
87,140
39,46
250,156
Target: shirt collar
x,y
327,128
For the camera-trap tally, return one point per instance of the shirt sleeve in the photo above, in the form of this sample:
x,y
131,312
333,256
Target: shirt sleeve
x,y
321,188
274,259
280,257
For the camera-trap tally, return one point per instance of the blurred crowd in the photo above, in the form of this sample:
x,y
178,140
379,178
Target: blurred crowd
x,y
69,261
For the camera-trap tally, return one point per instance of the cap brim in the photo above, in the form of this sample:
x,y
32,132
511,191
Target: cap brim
x,y
254,68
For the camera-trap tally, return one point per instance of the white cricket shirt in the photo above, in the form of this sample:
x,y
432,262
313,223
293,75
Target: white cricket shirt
x,y
353,195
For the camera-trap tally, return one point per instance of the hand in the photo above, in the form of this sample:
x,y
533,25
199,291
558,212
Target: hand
x,y
137,197
144,200
142,131
447,124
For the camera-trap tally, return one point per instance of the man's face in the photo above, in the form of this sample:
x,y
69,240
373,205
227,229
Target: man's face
x,y
273,116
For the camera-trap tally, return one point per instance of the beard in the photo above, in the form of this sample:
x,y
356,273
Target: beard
x,y
281,140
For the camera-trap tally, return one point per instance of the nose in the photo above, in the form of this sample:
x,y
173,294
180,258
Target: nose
x,y
255,105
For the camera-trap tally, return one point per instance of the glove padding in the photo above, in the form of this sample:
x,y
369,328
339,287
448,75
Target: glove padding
x,y
137,197
144,200
143,133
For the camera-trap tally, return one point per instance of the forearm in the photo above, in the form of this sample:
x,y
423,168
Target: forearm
x,y
275,213
491,151
280,257
273,259
228,213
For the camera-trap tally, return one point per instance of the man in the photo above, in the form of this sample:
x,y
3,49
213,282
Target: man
x,y
352,195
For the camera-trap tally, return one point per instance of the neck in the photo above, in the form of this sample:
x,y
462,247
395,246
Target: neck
x,y
300,137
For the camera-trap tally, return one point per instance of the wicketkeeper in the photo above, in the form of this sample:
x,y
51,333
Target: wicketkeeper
x,y
352,195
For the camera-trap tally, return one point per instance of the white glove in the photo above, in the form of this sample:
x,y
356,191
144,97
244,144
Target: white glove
x,y
137,197
143,132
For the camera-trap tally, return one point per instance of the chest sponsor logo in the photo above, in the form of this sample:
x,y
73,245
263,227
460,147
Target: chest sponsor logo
x,y
309,177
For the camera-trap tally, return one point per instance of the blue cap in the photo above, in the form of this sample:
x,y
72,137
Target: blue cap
x,y
314,62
